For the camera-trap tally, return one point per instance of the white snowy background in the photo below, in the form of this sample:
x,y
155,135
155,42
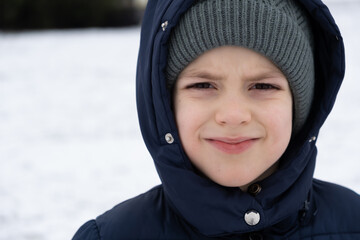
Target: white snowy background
x,y
70,145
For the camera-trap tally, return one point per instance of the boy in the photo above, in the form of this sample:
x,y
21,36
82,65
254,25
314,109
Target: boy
x,y
231,95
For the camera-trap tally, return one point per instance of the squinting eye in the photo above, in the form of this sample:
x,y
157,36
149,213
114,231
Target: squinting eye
x,y
201,85
264,86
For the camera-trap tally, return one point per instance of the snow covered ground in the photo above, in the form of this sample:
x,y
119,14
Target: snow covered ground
x,y
70,147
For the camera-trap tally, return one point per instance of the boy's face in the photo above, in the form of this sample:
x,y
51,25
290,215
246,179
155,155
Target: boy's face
x,y
233,109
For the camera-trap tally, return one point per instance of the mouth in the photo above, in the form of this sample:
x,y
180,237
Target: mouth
x,y
232,145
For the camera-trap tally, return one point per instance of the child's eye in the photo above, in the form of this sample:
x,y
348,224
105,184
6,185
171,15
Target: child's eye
x,y
263,86
201,85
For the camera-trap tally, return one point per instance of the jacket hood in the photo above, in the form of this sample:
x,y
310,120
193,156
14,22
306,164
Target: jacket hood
x,y
214,210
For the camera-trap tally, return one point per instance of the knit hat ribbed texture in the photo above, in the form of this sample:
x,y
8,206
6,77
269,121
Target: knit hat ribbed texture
x,y
277,29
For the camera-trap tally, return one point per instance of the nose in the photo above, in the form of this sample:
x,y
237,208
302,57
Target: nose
x,y
233,111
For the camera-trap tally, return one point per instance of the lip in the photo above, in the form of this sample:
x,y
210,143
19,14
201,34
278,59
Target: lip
x,y
232,145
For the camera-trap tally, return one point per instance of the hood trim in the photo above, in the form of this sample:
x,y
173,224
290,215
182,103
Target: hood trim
x,y
195,198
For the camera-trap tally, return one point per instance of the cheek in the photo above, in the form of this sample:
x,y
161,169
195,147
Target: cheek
x,y
279,122
189,114
182,113
281,117
188,120
187,117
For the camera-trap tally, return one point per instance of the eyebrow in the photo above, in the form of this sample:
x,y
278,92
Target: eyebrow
x,y
268,74
204,74
258,76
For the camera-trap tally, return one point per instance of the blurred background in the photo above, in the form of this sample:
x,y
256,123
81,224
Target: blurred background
x,y
70,144
45,14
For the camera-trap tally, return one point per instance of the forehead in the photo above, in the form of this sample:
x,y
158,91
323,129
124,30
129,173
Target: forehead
x,y
214,62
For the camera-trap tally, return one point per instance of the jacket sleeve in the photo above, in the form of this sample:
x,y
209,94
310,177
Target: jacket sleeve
x,y
88,231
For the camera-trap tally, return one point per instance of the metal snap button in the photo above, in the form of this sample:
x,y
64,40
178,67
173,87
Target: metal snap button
x,y
312,139
169,138
164,25
252,217
254,189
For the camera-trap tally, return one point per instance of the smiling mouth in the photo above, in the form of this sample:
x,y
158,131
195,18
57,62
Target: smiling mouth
x,y
232,146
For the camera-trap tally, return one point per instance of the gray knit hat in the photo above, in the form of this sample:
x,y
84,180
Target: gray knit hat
x,y
277,29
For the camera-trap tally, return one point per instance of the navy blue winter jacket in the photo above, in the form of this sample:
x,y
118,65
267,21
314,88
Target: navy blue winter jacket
x,y
292,205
